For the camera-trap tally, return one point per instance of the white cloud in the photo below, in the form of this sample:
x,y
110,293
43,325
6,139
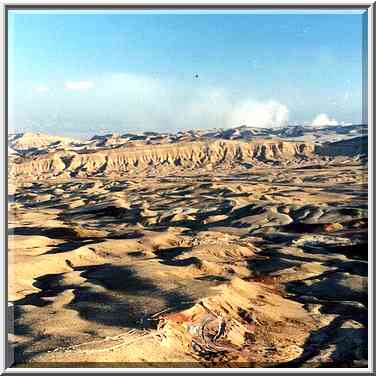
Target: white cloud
x,y
323,119
259,114
168,104
79,85
130,102
40,89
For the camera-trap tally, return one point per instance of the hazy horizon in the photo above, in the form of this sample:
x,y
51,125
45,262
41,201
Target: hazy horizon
x,y
86,135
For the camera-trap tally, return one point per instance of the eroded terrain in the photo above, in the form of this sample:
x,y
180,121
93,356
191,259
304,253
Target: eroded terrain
x,y
256,260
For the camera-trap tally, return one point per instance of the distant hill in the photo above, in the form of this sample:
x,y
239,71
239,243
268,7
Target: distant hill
x,y
21,142
28,142
36,155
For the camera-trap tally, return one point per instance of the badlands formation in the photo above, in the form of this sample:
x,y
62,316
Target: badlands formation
x,y
226,248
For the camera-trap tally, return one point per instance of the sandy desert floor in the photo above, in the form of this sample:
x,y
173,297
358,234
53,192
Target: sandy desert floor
x,y
260,267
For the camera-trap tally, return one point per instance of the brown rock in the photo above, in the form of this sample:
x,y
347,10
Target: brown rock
x,y
332,227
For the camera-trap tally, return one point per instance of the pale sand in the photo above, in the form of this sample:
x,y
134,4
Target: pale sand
x,y
119,267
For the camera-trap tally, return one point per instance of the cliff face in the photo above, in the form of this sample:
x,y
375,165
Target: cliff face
x,y
187,155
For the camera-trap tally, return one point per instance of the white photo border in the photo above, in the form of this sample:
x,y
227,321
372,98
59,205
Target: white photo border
x,y
368,102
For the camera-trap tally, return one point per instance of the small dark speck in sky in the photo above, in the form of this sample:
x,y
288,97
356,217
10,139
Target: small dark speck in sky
x,y
196,76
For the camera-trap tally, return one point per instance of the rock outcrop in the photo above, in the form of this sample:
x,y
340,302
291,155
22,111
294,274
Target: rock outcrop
x,y
187,155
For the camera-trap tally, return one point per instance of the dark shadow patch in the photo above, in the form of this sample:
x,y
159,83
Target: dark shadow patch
x,y
184,262
270,265
102,308
49,204
352,266
124,302
49,286
279,238
321,339
355,251
65,233
70,246
126,235
22,354
170,253
326,287
20,329
212,278
117,278
132,216
136,254
350,310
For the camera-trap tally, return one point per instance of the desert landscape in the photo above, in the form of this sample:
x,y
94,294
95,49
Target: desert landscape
x,y
240,247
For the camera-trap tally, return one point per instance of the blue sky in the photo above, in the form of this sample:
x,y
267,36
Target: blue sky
x,y
83,73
